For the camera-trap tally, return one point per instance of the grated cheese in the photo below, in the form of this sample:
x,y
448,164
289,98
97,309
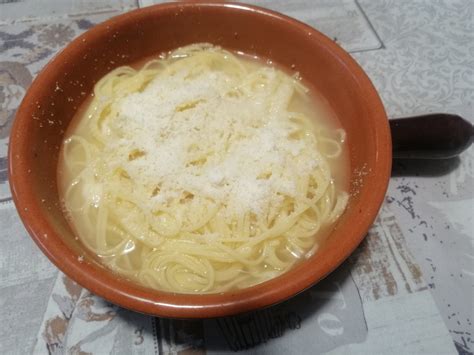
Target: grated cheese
x,y
212,136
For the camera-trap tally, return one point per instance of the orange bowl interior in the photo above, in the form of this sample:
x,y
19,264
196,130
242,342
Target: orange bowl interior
x,y
66,81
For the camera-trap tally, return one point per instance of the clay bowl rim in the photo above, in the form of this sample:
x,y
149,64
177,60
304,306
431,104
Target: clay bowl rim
x,y
137,298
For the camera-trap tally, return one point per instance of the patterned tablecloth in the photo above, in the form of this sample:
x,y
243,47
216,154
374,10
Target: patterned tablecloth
x,y
407,289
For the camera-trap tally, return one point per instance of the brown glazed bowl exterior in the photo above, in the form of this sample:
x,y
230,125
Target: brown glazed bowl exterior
x,y
68,79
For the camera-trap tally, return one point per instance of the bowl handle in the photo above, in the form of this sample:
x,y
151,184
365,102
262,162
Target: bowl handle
x,y
432,136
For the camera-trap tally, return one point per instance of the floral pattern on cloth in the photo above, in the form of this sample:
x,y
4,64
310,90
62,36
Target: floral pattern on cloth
x,y
56,35
25,49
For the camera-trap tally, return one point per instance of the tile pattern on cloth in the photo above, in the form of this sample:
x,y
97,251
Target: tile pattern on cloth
x,y
342,20
412,277
414,319
26,276
63,301
428,66
31,10
26,279
26,46
326,316
383,265
22,307
428,61
329,316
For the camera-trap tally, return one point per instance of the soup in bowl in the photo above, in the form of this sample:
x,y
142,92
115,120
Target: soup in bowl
x,y
199,160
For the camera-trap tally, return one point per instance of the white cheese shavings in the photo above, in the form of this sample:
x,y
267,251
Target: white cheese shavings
x,y
211,135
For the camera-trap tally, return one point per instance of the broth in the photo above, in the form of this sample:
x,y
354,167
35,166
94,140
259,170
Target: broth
x,y
203,171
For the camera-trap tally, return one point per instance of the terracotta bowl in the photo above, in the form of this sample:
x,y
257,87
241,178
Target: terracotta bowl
x,y
66,81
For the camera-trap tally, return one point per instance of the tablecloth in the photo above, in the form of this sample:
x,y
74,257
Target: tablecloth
x,y
408,288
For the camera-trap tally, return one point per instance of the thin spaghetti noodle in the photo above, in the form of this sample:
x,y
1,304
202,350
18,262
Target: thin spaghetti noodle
x,y
196,174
